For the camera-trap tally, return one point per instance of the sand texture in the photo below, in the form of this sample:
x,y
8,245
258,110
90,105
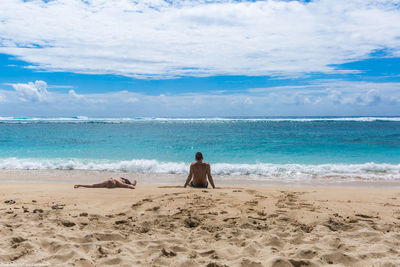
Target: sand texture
x,y
55,225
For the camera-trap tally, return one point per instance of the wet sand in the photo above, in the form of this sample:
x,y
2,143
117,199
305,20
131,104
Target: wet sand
x,y
50,224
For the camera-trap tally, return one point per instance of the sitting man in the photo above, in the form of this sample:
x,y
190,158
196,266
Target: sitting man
x,y
199,171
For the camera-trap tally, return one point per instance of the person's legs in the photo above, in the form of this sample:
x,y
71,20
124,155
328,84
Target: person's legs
x,y
110,183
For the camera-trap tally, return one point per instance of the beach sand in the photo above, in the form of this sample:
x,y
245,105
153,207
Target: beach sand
x,y
53,224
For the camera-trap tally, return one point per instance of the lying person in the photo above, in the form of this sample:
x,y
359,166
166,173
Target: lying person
x,y
111,183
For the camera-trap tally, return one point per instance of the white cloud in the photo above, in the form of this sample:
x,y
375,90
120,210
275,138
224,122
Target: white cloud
x,y
395,100
92,98
336,96
2,98
74,94
197,38
369,98
248,101
131,100
372,97
323,97
35,92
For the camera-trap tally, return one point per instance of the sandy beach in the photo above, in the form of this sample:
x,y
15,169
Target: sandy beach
x,y
53,224
288,110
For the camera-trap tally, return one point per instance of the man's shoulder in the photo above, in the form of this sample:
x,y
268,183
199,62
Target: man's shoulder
x,y
197,163
206,164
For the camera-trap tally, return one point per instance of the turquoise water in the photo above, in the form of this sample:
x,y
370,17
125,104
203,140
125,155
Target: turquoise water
x,y
301,147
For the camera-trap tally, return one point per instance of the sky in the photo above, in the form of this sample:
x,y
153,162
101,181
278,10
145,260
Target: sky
x,y
201,58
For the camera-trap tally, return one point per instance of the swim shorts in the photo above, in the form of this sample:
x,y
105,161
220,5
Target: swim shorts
x,y
197,186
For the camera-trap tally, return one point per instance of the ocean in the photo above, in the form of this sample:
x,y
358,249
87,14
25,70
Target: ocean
x,y
281,149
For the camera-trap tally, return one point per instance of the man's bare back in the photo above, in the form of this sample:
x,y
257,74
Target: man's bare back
x,y
199,171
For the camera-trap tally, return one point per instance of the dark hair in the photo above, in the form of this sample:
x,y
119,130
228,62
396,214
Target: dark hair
x,y
126,180
199,156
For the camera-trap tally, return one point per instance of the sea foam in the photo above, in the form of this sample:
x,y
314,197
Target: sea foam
x,y
84,119
260,171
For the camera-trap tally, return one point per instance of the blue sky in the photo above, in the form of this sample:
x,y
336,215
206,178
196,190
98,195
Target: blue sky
x,y
196,58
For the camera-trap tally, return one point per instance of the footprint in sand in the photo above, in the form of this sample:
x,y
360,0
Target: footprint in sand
x,y
58,206
338,258
166,253
67,223
156,208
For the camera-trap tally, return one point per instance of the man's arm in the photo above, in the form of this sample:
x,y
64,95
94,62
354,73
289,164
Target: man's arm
x,y
189,176
209,176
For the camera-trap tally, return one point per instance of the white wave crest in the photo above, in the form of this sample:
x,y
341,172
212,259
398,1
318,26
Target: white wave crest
x,y
140,165
259,171
83,119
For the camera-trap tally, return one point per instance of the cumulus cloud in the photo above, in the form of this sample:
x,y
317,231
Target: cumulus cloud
x,y
323,97
197,38
372,97
35,92
86,99
294,98
131,100
2,98
248,101
395,100
73,94
362,93
336,96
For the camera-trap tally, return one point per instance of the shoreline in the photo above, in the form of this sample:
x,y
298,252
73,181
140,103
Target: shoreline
x,y
55,225
95,176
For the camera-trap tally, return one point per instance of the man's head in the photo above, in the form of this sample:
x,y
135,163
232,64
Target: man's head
x,y
199,156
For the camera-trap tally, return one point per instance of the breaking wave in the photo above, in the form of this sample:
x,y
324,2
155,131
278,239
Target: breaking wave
x,y
260,171
84,119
